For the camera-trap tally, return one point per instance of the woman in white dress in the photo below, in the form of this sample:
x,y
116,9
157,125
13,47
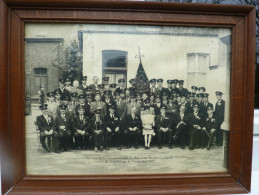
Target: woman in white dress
x,y
148,123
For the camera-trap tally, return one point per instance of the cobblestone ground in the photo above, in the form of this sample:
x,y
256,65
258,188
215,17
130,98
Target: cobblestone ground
x,y
113,161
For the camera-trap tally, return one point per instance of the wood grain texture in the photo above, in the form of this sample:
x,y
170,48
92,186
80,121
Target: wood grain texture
x,y
240,19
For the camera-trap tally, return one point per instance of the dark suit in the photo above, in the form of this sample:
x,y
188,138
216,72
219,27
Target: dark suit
x,y
207,135
100,127
220,115
99,105
183,91
47,125
64,135
112,123
205,107
132,137
195,127
63,93
159,91
157,108
121,108
181,128
81,123
163,122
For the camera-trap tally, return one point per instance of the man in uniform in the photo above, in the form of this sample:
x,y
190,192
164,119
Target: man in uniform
x,y
62,90
164,95
97,125
133,127
57,97
220,115
174,88
106,86
163,126
108,99
113,88
195,121
121,88
81,129
98,104
169,88
64,125
206,102
133,104
182,90
68,85
194,89
113,127
94,87
152,85
76,88
52,105
160,87
120,106
45,124
171,107
83,86
202,89
157,105
209,129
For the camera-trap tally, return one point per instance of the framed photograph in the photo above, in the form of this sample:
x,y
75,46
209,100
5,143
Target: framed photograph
x,y
126,97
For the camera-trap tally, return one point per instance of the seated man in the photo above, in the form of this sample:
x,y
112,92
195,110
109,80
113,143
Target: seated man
x,y
81,129
133,126
163,126
113,127
209,129
180,124
97,125
63,126
45,124
195,120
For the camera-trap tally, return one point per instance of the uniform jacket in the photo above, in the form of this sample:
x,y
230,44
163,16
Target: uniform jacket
x,y
164,122
63,93
97,125
100,105
81,124
66,121
113,122
220,111
129,122
210,123
137,105
121,108
176,119
195,120
43,124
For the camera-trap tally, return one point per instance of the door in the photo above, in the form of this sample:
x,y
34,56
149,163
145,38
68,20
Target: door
x,y
39,78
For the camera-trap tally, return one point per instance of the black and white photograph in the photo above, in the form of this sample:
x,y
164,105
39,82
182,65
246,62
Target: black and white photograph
x,y
126,99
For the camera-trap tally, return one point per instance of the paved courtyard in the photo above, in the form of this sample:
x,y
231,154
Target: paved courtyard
x,y
113,161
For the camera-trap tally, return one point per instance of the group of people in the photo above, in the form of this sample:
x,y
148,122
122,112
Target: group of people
x,y
76,116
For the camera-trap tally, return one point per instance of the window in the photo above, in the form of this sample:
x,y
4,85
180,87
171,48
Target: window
x,y
114,64
197,67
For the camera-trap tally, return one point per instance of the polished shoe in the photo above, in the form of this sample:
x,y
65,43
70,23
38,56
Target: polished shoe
x,y
136,147
170,147
119,148
146,147
57,151
183,147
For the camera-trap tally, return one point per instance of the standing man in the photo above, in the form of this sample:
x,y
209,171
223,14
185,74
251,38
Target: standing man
x,y
132,88
41,95
61,90
133,127
133,104
120,106
98,104
152,85
206,103
169,88
121,88
68,85
160,87
174,88
106,86
97,125
81,128
83,86
182,91
163,126
113,127
45,124
63,125
94,87
52,105
220,115
194,89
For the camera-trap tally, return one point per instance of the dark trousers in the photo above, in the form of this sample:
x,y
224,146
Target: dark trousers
x,y
107,138
98,139
64,137
182,135
81,140
195,138
132,137
162,136
207,138
52,140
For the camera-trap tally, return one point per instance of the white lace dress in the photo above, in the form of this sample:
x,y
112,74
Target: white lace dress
x,y
148,120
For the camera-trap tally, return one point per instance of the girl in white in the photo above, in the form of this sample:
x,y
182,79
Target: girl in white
x,y
148,122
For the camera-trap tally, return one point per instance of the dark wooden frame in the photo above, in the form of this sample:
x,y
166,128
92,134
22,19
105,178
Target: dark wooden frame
x,y
13,14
